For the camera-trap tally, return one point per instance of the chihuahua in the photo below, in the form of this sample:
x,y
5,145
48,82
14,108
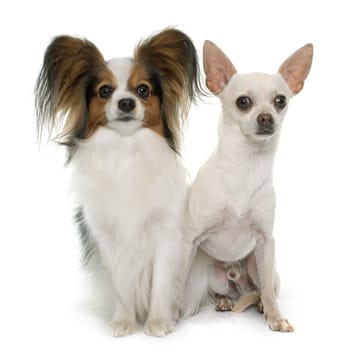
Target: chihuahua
x,y
231,204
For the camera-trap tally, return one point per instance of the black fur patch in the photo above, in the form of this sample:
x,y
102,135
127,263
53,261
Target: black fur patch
x,y
86,239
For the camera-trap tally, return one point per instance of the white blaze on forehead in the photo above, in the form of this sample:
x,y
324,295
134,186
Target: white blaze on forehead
x,y
121,68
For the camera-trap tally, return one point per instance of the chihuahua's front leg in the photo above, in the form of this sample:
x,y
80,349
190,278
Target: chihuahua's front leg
x,y
265,259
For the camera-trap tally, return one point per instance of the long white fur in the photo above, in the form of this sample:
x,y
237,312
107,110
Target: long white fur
x,y
133,191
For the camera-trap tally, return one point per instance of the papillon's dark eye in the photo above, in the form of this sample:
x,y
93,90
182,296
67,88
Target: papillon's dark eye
x,y
244,103
280,101
143,91
105,91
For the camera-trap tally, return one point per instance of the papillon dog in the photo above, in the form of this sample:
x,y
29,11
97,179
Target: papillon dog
x,y
120,121
231,203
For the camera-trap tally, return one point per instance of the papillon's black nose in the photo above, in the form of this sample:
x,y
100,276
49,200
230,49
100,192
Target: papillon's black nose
x,y
126,104
265,120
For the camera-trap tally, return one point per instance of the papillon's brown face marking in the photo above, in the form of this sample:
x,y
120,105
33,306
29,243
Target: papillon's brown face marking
x,y
78,91
149,93
96,104
134,100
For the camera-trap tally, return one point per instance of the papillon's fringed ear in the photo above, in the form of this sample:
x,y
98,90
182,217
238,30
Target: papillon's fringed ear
x,y
171,58
69,71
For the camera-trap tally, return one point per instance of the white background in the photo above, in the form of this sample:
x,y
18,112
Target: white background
x,y
44,300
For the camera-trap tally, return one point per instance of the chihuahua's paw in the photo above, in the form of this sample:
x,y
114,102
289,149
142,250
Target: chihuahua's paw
x,y
122,328
224,304
280,325
159,327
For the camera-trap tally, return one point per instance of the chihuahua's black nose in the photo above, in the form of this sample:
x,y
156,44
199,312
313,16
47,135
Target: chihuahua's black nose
x,y
126,104
265,120
265,124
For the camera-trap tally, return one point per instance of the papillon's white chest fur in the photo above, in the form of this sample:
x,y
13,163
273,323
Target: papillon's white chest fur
x,y
133,201
127,179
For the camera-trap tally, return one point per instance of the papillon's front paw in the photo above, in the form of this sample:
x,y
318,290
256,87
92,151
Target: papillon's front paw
x,y
122,328
280,325
159,327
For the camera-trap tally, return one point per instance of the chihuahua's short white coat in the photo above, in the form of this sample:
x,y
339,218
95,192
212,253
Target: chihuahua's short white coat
x,y
231,203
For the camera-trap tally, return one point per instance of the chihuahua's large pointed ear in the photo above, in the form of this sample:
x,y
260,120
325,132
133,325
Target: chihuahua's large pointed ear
x,y
218,68
297,67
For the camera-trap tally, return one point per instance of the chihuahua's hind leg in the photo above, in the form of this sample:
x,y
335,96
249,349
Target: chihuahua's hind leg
x,y
246,300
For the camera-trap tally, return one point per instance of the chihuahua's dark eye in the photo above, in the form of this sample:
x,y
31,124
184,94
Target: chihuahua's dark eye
x,y
105,91
244,103
280,101
143,91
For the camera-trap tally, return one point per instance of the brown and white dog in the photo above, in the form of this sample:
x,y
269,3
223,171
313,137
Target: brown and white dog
x,y
121,123
231,203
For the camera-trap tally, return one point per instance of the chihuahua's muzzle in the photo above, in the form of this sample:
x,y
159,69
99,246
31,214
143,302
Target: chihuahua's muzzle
x,y
265,124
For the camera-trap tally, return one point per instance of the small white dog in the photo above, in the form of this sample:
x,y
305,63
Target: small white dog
x,y
231,203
